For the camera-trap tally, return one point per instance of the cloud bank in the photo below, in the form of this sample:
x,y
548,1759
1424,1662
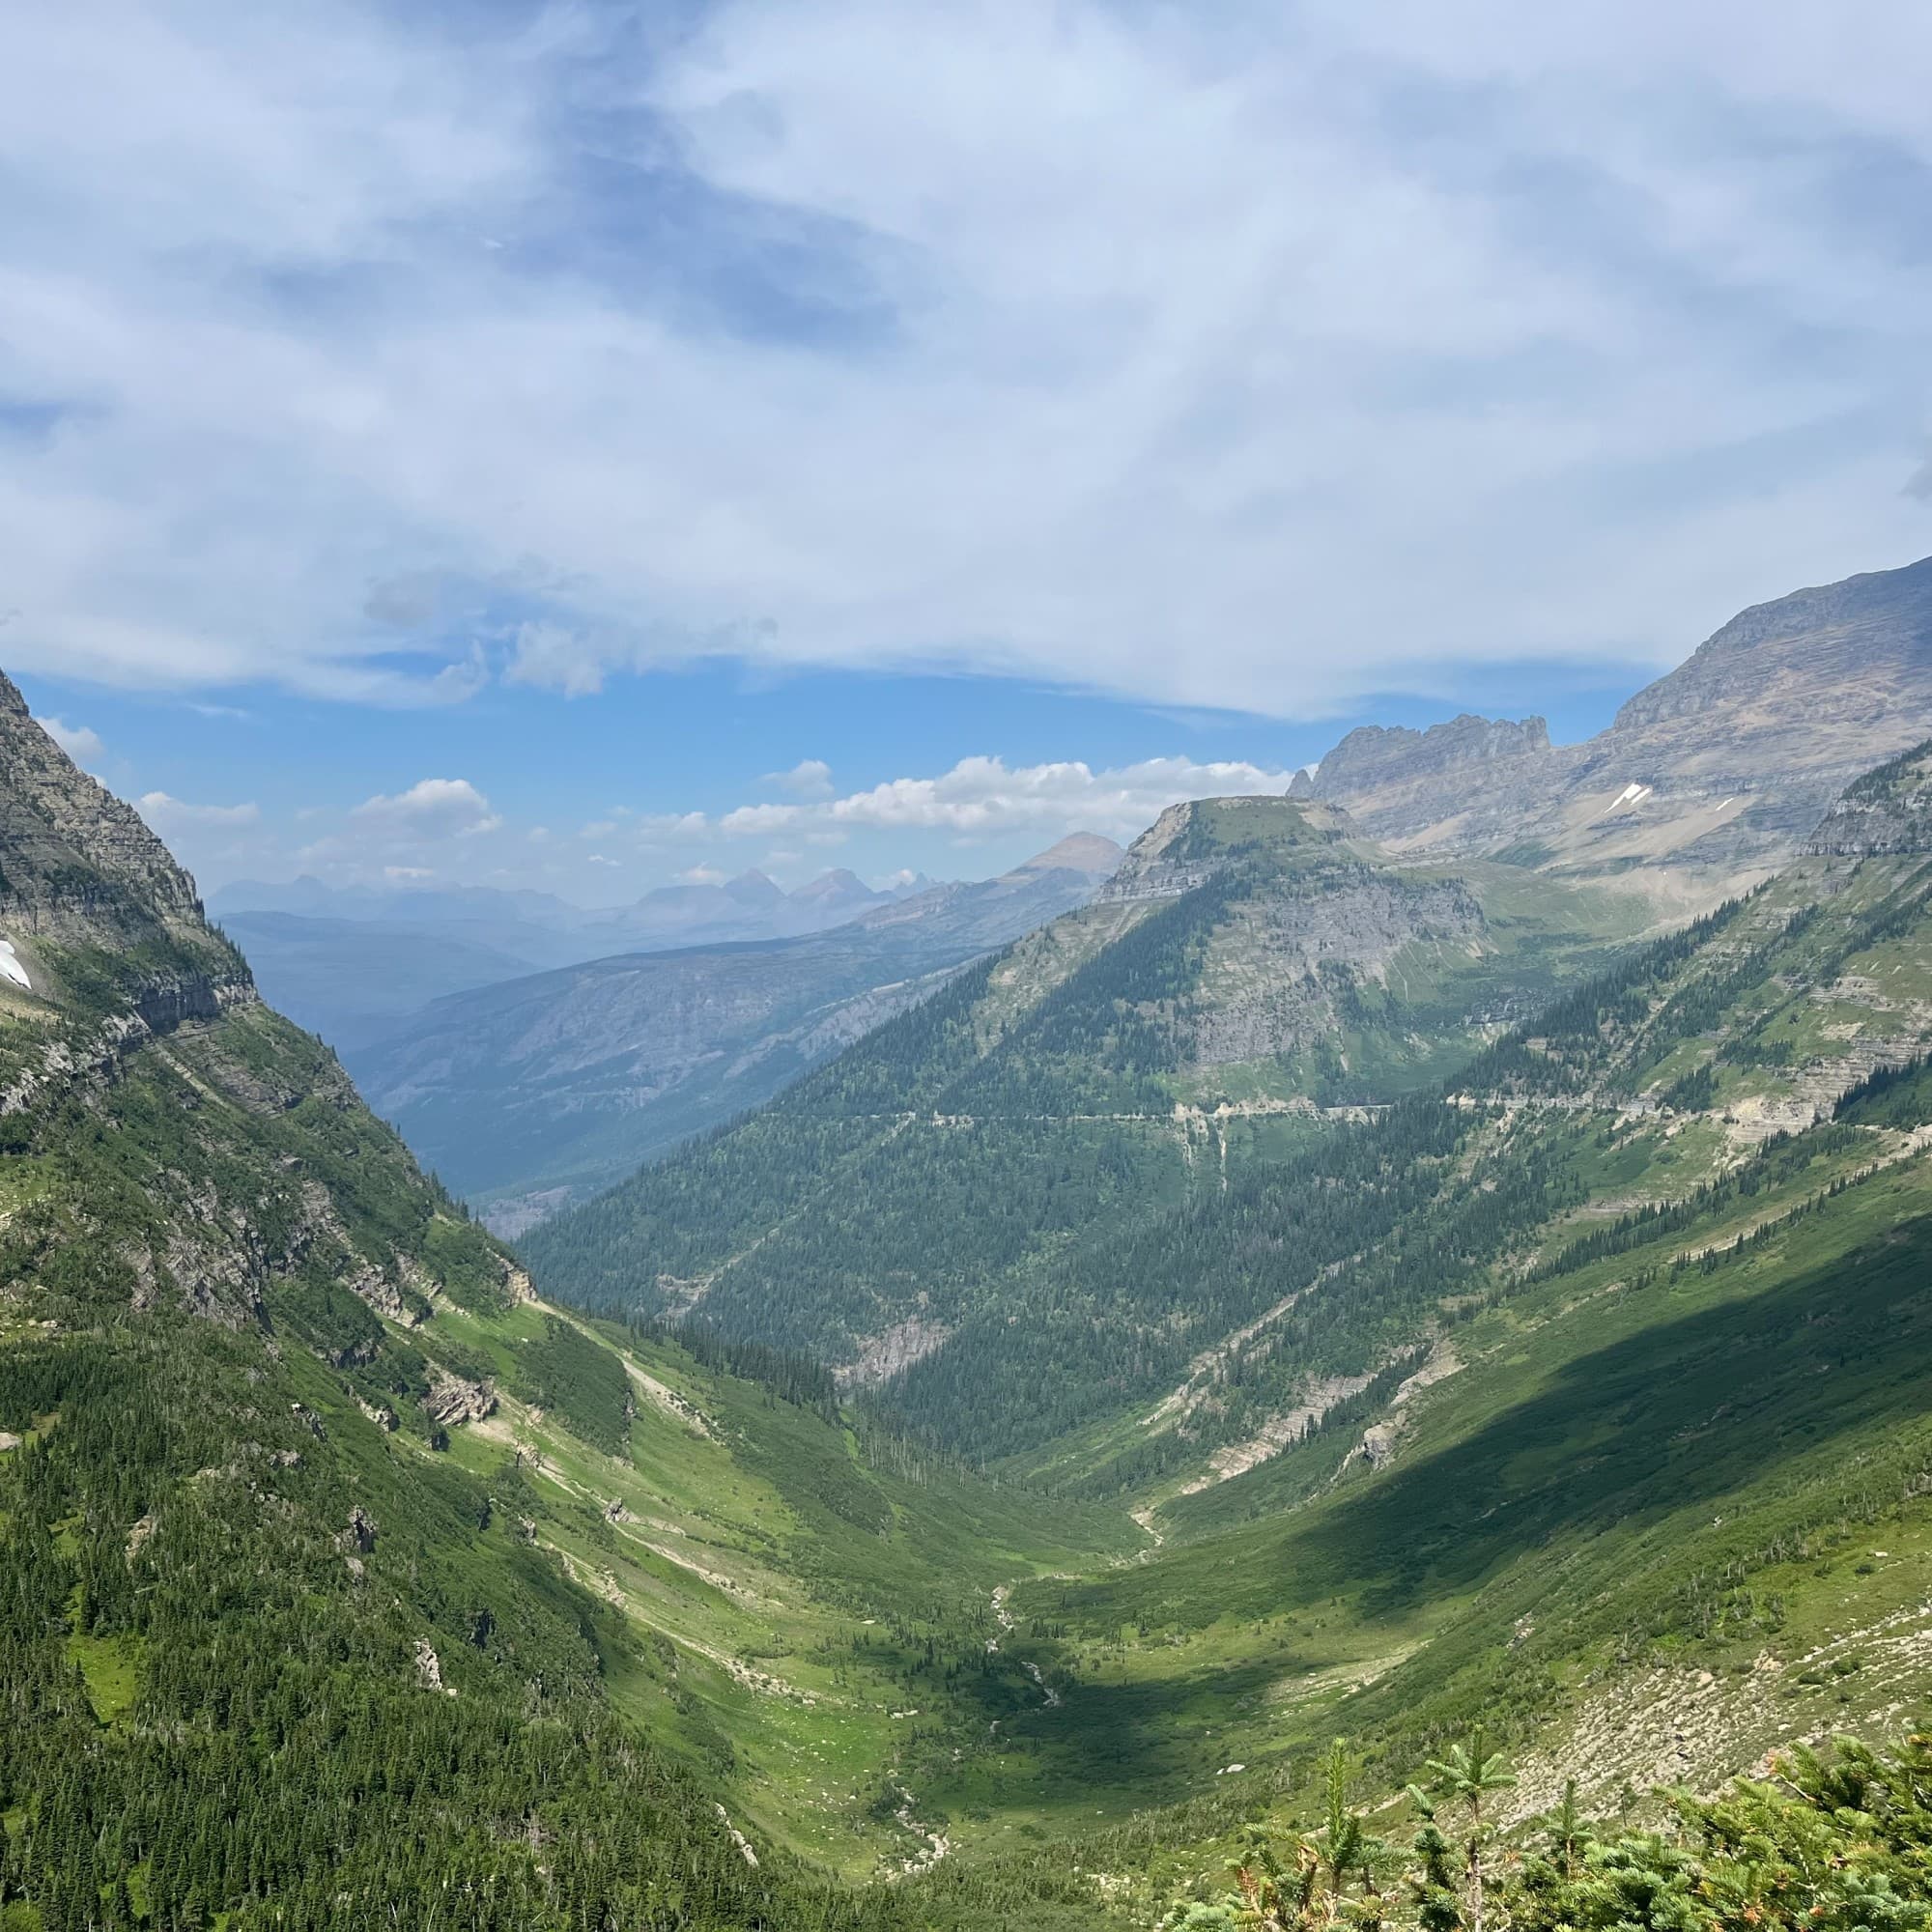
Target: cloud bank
x,y
1237,357
984,798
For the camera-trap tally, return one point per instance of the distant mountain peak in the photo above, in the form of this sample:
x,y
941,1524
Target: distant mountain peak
x,y
1372,756
836,884
752,887
1078,852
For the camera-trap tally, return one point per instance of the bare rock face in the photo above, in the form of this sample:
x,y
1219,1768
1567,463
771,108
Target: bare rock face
x,y
1276,974
1376,755
1707,780
1835,655
452,1401
52,813
1887,811
893,1351
429,1668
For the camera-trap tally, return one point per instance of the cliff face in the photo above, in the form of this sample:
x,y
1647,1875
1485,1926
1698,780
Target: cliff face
x,y
1376,755
1706,781
72,856
101,937
189,1147
1886,813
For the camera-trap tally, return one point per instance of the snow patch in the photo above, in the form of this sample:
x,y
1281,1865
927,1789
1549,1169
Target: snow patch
x,y
10,967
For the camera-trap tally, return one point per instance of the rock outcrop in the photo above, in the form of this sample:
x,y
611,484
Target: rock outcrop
x,y
72,857
1192,842
452,1401
1885,812
1375,754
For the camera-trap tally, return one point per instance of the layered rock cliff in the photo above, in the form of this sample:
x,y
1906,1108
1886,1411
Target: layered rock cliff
x,y
1705,781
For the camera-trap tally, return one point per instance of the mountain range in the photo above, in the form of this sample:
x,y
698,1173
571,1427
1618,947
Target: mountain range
x,y
531,1091
1705,781
352,962
1349,1277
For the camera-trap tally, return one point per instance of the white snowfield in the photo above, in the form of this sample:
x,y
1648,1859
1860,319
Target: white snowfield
x,y
1632,794
10,967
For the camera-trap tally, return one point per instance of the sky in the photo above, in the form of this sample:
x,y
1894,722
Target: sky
x,y
588,445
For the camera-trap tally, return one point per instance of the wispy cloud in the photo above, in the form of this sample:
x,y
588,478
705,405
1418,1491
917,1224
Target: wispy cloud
x,y
82,745
170,815
1266,359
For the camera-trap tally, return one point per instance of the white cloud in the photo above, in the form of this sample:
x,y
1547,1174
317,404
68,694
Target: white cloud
x,y
174,814
407,875
82,745
432,809
810,778
986,797
667,828
1269,358
702,875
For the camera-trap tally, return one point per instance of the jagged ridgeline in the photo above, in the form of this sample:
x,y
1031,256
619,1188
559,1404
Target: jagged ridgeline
x,y
270,1654
992,1180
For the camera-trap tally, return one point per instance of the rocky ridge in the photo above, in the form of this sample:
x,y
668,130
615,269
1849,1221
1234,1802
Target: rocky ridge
x,y
1706,781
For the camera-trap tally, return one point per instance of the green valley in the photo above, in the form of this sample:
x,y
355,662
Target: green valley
x,y
1567,1382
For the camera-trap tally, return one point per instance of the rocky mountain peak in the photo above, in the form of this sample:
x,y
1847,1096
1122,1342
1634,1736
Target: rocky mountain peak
x,y
1191,842
839,886
1078,852
1374,756
1861,644
753,889
72,857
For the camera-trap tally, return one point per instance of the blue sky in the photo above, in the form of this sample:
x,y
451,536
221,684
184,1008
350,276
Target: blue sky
x,y
586,445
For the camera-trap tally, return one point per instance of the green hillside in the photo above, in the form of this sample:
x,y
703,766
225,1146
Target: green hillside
x,y
1033,1138
1584,1400
346,1585
1577,1396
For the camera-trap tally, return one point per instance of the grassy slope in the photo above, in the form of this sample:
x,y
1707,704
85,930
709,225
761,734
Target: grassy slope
x,y
788,1577
943,1171
1669,1510
1639,1473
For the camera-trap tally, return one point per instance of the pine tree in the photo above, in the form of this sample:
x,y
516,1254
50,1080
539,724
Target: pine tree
x,y
1465,1776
